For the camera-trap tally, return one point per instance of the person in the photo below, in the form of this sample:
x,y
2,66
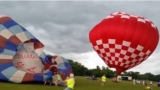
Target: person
x,y
49,78
115,79
103,78
93,77
70,82
58,77
148,87
143,82
134,82
151,83
154,83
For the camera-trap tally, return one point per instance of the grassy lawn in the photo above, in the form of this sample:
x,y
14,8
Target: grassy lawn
x,y
81,84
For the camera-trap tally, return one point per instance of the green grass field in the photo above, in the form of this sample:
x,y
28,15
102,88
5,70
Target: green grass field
x,y
81,84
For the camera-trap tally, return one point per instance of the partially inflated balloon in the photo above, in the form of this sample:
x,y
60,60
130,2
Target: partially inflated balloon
x,y
19,60
123,40
21,55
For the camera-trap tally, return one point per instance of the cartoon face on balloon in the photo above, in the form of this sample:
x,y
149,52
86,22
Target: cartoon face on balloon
x,y
123,40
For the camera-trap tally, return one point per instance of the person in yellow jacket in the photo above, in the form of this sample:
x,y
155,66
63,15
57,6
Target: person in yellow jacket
x,y
70,82
103,78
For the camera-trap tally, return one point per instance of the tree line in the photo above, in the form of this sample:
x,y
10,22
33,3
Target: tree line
x,y
81,70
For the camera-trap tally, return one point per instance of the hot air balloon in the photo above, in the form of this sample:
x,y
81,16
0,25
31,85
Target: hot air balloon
x,y
123,40
21,55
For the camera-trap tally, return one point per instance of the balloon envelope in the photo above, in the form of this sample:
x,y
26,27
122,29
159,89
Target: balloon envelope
x,y
21,55
123,40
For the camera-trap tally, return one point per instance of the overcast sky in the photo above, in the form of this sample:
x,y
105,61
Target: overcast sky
x,y
63,26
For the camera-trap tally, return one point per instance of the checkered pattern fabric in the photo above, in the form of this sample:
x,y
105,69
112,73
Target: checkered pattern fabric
x,y
128,16
120,54
12,36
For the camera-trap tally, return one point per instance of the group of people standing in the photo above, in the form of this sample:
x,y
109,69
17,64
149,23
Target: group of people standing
x,y
52,77
103,79
148,86
55,78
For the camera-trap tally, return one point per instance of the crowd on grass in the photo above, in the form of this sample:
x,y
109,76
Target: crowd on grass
x,y
54,78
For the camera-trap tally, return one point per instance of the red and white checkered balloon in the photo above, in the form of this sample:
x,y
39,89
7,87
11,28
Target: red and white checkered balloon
x,y
123,40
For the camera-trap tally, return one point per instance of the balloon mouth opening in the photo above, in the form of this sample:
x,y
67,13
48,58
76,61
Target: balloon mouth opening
x,y
25,59
119,71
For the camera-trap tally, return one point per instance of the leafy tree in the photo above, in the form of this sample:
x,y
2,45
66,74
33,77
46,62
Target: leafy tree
x,y
81,70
